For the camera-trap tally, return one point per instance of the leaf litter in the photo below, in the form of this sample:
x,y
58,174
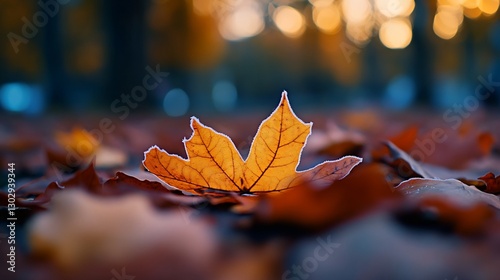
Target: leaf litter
x,y
213,215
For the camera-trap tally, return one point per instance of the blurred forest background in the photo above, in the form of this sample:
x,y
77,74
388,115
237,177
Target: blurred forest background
x,y
227,56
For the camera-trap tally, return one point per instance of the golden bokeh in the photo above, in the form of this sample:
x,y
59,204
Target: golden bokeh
x,y
289,21
244,21
327,19
396,33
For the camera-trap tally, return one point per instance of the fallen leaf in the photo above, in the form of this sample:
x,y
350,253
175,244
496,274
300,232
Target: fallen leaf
x,y
311,208
86,179
215,165
404,140
405,165
457,149
492,183
451,189
158,193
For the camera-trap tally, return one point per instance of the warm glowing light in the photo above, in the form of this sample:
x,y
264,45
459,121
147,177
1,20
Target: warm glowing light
x,y
356,11
450,2
455,10
447,21
395,33
488,6
327,19
321,3
472,13
469,4
290,21
243,22
395,8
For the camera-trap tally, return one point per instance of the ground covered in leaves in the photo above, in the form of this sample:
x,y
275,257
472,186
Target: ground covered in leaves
x,y
423,204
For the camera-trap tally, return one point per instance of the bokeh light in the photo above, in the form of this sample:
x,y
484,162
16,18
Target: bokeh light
x,y
488,6
246,20
289,21
224,95
176,103
20,97
447,21
395,8
472,13
395,33
356,11
15,97
469,4
400,93
327,18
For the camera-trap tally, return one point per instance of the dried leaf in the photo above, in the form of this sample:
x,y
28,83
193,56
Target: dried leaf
x,y
404,140
86,179
161,196
406,166
452,189
215,165
312,208
492,183
457,150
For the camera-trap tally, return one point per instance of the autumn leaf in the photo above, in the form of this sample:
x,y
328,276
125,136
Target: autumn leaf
x,y
451,189
492,183
405,141
407,166
214,164
309,208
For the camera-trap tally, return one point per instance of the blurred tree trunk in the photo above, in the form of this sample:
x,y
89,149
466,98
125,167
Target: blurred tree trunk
x,y
125,26
54,72
371,73
423,54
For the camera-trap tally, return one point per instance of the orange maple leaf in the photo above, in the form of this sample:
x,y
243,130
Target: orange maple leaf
x,y
215,165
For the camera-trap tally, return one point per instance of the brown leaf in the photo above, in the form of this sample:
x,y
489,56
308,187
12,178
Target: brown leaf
x,y
405,140
452,189
312,208
492,183
405,165
156,191
86,179
457,150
